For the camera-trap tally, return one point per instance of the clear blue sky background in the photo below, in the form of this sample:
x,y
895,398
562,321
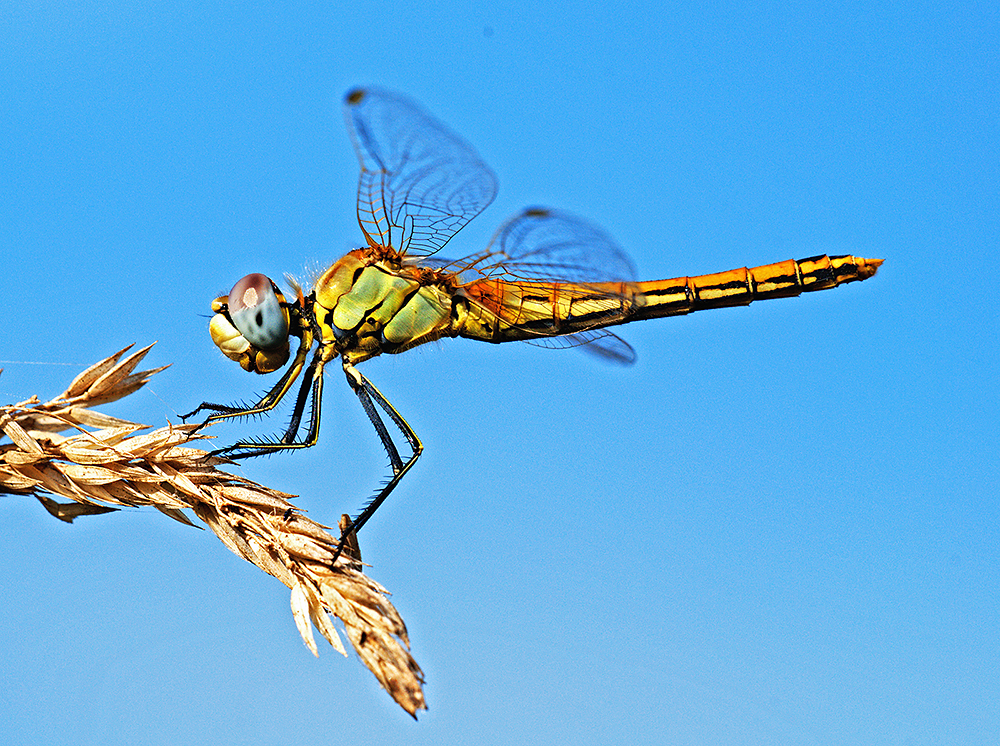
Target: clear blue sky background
x,y
779,526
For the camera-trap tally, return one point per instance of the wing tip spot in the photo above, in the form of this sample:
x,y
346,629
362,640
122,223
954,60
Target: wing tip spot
x,y
537,212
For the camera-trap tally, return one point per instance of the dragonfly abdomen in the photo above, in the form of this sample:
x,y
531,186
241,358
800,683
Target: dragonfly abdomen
x,y
740,287
500,311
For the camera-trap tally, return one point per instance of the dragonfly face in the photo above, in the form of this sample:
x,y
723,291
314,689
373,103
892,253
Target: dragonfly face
x,y
547,277
251,324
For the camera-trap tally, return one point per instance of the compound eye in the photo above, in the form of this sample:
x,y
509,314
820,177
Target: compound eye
x,y
257,313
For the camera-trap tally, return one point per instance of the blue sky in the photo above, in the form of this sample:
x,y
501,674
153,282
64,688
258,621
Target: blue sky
x,y
779,526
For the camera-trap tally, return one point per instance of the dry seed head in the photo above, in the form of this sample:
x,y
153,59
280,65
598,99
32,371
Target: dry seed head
x,y
101,463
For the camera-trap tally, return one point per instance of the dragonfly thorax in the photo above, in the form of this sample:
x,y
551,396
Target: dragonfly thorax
x,y
370,302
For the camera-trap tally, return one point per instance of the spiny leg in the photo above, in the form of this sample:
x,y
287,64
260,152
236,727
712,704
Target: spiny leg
x,y
267,402
311,389
369,397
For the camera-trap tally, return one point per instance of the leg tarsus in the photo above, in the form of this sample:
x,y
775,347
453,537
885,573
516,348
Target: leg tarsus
x,y
311,388
369,397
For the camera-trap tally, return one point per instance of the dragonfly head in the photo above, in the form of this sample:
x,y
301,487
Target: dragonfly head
x,y
251,324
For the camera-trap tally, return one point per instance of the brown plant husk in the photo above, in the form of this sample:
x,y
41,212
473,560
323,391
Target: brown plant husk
x,y
102,462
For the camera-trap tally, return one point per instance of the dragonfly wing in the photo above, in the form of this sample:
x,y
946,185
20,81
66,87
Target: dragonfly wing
x,y
543,245
598,342
549,246
420,183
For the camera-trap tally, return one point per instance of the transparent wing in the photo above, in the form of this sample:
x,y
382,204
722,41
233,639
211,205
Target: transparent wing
x,y
543,245
420,183
597,342
549,246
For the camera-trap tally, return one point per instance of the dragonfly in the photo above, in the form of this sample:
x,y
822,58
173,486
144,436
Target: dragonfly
x,y
547,277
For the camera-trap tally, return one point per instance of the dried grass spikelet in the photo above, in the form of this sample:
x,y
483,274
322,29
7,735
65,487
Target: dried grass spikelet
x,y
103,463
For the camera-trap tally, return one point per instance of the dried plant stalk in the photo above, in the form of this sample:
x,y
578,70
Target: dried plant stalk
x,y
103,462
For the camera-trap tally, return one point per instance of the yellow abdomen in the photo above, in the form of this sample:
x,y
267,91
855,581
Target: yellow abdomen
x,y
501,311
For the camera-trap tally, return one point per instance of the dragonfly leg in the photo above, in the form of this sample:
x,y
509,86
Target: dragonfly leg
x,y
370,397
311,389
267,402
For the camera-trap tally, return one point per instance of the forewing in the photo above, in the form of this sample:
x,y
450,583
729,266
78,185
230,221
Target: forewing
x,y
420,183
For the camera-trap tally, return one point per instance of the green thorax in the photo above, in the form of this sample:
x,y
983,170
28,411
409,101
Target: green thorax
x,y
369,303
